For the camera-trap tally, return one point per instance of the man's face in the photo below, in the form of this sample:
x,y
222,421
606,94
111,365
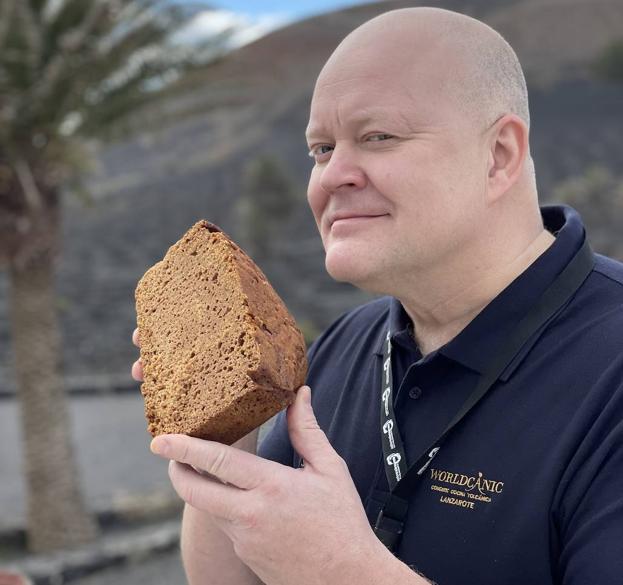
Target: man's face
x,y
399,176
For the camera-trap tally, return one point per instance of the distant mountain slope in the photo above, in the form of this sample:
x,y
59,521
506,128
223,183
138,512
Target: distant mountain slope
x,y
232,106
187,159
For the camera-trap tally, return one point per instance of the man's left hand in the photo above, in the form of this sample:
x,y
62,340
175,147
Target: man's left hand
x,y
305,526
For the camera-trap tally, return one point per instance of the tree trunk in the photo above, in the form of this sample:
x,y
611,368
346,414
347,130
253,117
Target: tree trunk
x,y
57,516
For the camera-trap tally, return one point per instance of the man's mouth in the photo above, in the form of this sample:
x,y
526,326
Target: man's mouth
x,y
354,218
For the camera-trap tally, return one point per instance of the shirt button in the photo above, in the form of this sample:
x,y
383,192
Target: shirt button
x,y
415,392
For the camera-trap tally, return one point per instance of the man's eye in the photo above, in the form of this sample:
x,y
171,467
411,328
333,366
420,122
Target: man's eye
x,y
378,137
319,151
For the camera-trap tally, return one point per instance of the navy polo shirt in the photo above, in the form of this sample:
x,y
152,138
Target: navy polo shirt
x,y
528,488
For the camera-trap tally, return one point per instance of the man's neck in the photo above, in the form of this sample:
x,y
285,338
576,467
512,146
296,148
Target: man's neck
x,y
441,315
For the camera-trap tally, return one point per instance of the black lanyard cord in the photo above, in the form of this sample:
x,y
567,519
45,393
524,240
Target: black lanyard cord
x,y
390,521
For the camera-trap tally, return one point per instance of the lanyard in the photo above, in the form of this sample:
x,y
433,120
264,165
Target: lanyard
x,y
390,521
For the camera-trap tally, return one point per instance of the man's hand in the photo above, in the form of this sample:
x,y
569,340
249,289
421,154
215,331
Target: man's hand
x,y
305,526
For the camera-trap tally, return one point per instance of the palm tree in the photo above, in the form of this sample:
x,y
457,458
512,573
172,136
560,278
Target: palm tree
x,y
68,70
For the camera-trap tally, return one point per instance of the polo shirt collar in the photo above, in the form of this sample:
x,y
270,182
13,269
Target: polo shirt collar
x,y
474,345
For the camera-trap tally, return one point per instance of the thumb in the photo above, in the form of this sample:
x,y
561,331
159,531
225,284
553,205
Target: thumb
x,y
306,436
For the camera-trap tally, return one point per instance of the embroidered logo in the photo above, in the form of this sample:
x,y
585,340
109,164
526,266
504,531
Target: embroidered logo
x,y
464,491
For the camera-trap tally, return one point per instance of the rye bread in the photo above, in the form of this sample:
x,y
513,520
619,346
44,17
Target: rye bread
x,y
221,354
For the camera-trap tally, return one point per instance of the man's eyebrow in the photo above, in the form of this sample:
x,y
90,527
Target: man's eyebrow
x,y
365,117
312,131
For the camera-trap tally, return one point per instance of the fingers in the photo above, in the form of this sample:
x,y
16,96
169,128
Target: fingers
x,y
306,436
228,464
137,370
205,494
137,366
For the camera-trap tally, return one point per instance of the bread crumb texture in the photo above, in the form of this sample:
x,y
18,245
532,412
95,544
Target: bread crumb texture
x,y
221,354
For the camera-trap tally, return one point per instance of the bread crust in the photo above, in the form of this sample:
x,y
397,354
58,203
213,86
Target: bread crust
x,y
221,353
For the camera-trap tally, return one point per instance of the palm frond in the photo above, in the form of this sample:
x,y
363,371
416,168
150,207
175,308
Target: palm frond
x,y
76,67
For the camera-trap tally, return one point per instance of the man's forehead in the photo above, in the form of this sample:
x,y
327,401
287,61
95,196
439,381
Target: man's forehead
x,y
408,100
364,70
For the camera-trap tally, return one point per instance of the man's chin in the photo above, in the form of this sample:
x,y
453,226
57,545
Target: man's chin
x,y
361,277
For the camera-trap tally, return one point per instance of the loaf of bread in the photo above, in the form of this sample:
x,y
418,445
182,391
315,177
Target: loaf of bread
x,y
221,354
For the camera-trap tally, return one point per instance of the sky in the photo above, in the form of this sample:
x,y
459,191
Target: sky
x,y
295,9
255,19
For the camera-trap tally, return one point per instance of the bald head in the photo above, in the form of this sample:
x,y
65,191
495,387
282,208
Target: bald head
x,y
469,62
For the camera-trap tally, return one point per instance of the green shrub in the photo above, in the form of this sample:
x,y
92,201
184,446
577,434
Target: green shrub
x,y
609,64
598,195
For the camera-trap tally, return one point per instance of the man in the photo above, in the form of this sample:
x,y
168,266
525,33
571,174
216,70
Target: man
x,y
423,189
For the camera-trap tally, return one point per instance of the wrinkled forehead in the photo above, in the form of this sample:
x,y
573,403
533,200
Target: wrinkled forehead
x,y
364,83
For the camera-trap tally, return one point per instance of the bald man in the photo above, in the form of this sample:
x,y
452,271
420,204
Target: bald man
x,y
465,428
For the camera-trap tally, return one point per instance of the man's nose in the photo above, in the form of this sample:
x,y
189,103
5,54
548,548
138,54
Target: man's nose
x,y
342,171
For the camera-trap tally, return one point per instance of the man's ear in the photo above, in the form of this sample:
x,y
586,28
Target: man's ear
x,y
508,151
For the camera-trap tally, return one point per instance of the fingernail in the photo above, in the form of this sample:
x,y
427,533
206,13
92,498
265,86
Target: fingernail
x,y
306,395
159,446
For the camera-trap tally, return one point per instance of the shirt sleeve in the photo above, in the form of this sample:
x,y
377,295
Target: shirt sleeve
x,y
590,511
